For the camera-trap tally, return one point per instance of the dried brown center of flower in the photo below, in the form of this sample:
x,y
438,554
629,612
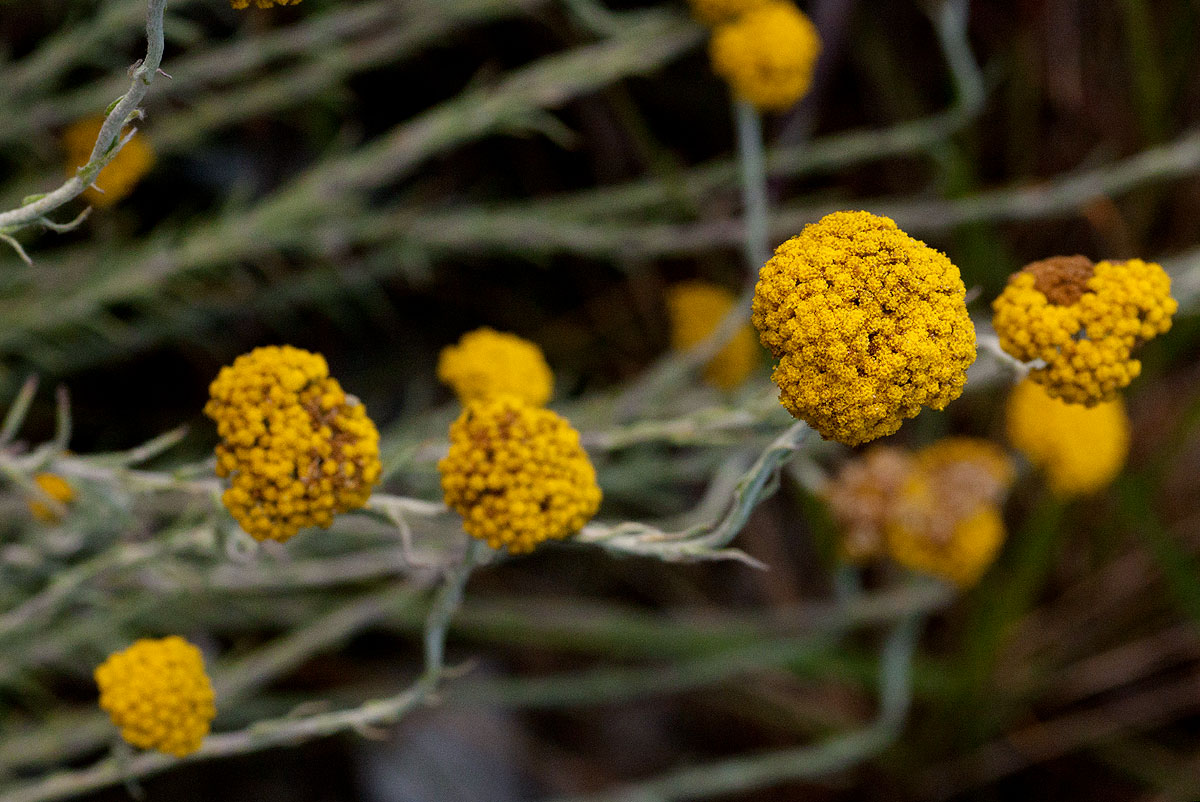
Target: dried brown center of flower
x,y
1062,279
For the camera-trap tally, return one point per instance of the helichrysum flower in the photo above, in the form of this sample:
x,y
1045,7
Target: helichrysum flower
x,y
263,3
861,497
298,449
945,519
714,12
1083,322
767,54
56,488
158,695
486,363
1081,449
517,474
869,326
695,308
121,175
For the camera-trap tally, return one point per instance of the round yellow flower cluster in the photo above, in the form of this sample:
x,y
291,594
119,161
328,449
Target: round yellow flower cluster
x,y
1081,449
936,512
869,325
715,12
486,363
517,474
56,488
694,309
767,54
120,176
1083,321
239,4
158,695
298,448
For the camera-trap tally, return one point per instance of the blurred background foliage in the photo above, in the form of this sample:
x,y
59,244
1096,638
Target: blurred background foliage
x,y
371,179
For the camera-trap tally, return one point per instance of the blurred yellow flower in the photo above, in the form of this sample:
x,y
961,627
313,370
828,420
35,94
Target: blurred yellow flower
x,y
1083,322
1081,449
56,488
695,309
239,4
158,695
517,474
767,54
121,175
486,363
298,449
714,12
869,326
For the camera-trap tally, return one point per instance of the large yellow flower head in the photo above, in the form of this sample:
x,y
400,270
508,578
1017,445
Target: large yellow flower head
x,y
263,3
121,175
767,54
486,363
158,695
869,326
517,474
714,12
56,488
298,449
945,520
1083,322
695,308
1081,449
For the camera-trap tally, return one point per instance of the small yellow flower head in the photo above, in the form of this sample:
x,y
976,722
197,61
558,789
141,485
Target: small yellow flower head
x,y
869,326
945,520
861,498
239,4
158,695
715,12
121,175
298,449
1081,449
767,55
695,308
1083,322
56,488
486,363
517,474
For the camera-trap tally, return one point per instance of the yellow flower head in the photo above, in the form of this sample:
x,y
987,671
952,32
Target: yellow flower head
x,y
695,308
487,362
767,54
298,449
945,520
121,175
158,695
861,498
56,488
869,326
517,474
263,3
1081,449
1083,322
715,12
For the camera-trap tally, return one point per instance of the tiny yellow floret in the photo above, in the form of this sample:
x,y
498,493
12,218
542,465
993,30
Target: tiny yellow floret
x,y
486,363
694,309
56,488
121,175
1081,449
263,3
715,12
1079,322
517,474
767,55
298,449
945,519
158,695
869,325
